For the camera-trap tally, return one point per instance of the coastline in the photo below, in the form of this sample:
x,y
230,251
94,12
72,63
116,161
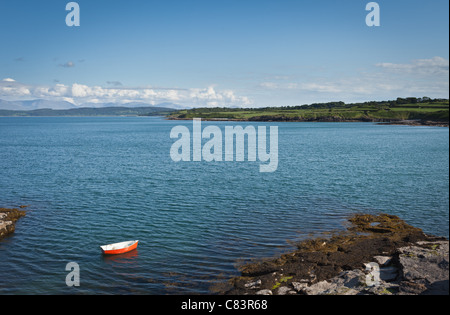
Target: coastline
x,y
429,123
408,262
418,123
8,219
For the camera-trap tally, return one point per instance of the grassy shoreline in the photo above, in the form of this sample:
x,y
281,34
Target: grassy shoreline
x,y
403,111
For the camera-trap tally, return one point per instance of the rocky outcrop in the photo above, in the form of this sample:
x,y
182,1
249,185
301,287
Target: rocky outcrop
x,y
421,269
8,219
424,268
377,255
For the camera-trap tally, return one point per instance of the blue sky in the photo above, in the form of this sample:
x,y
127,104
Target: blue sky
x,y
247,53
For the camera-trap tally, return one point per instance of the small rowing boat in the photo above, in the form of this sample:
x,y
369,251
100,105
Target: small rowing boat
x,y
119,248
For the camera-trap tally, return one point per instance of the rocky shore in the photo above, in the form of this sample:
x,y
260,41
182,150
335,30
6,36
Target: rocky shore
x,y
8,219
329,119
376,255
418,123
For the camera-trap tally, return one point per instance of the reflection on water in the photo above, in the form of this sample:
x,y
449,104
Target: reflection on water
x,y
126,258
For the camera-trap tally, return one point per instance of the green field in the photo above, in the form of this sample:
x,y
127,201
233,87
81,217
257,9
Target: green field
x,y
400,109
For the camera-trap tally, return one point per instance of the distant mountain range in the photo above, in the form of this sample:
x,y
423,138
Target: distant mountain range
x,y
36,108
86,111
62,105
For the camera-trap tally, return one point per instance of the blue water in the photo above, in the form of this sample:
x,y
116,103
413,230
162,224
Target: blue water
x,y
95,181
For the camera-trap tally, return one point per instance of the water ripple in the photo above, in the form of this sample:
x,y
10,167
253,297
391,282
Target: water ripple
x,y
94,181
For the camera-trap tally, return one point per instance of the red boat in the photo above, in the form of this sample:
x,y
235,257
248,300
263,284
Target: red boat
x,y
119,248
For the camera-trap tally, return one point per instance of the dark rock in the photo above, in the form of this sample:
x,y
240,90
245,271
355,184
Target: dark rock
x,y
8,218
336,264
425,268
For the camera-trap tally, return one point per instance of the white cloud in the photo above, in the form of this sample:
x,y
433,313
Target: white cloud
x,y
421,77
433,66
211,98
321,87
68,64
270,85
10,87
307,86
114,83
80,93
385,81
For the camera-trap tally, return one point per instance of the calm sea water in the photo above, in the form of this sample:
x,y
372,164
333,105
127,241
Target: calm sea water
x,y
95,181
